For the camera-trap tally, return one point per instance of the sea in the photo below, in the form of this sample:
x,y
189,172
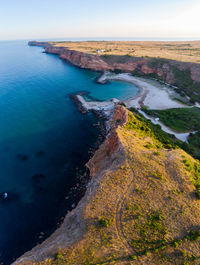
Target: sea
x,y
44,142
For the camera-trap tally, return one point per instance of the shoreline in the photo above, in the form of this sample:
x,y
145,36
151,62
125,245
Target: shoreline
x,y
144,96
151,94
73,226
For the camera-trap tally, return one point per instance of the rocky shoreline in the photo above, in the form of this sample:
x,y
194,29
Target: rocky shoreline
x,y
74,225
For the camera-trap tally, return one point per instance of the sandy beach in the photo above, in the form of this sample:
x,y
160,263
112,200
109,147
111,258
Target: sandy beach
x,y
152,94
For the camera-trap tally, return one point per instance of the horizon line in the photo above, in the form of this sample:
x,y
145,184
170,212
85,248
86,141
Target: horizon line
x,y
106,39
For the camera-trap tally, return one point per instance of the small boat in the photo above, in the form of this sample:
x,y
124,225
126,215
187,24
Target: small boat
x,y
4,195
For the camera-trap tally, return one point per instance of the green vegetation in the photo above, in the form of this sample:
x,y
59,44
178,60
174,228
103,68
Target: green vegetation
x,y
146,127
193,235
195,169
156,153
197,179
133,257
194,144
183,81
142,210
104,222
185,84
157,176
178,119
182,120
151,232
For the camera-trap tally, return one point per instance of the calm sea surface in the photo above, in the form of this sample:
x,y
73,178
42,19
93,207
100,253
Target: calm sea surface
x,y
44,141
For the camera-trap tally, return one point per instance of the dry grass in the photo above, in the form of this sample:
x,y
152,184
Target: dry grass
x,y
143,209
185,51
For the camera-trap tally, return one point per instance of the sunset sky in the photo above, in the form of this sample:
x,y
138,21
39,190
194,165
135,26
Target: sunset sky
x,y
38,19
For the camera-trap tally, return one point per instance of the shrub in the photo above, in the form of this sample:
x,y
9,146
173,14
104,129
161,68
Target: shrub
x,y
197,193
193,235
133,257
149,145
58,256
157,176
104,222
193,257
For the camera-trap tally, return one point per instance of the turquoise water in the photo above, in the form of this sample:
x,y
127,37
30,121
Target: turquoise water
x,y
44,141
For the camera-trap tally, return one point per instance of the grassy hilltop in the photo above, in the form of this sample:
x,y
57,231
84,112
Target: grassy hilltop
x,y
146,205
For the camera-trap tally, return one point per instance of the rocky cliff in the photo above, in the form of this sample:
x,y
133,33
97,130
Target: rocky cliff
x,y
145,66
184,76
74,225
141,205
80,59
111,144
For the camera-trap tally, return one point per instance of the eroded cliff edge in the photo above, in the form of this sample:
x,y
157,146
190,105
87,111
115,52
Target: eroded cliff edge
x,y
141,207
80,59
75,223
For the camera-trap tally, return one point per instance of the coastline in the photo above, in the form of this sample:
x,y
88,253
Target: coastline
x,y
72,224
152,94
147,97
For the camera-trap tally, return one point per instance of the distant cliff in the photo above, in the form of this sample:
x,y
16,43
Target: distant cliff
x,y
185,77
80,59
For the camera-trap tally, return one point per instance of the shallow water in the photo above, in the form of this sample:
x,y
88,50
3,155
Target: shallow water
x,y
44,140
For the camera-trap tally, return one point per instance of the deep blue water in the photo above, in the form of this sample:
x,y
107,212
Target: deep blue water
x,y
44,140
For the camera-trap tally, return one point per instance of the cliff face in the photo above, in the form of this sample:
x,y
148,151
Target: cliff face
x,y
184,75
76,58
111,144
75,224
84,60
142,67
165,69
140,206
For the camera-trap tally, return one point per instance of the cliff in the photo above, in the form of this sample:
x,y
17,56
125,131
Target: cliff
x,y
80,59
141,205
74,225
183,75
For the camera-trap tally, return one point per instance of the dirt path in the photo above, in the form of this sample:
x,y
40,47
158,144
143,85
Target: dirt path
x,y
119,210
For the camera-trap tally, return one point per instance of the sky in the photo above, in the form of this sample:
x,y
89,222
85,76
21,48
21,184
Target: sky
x,y
46,19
